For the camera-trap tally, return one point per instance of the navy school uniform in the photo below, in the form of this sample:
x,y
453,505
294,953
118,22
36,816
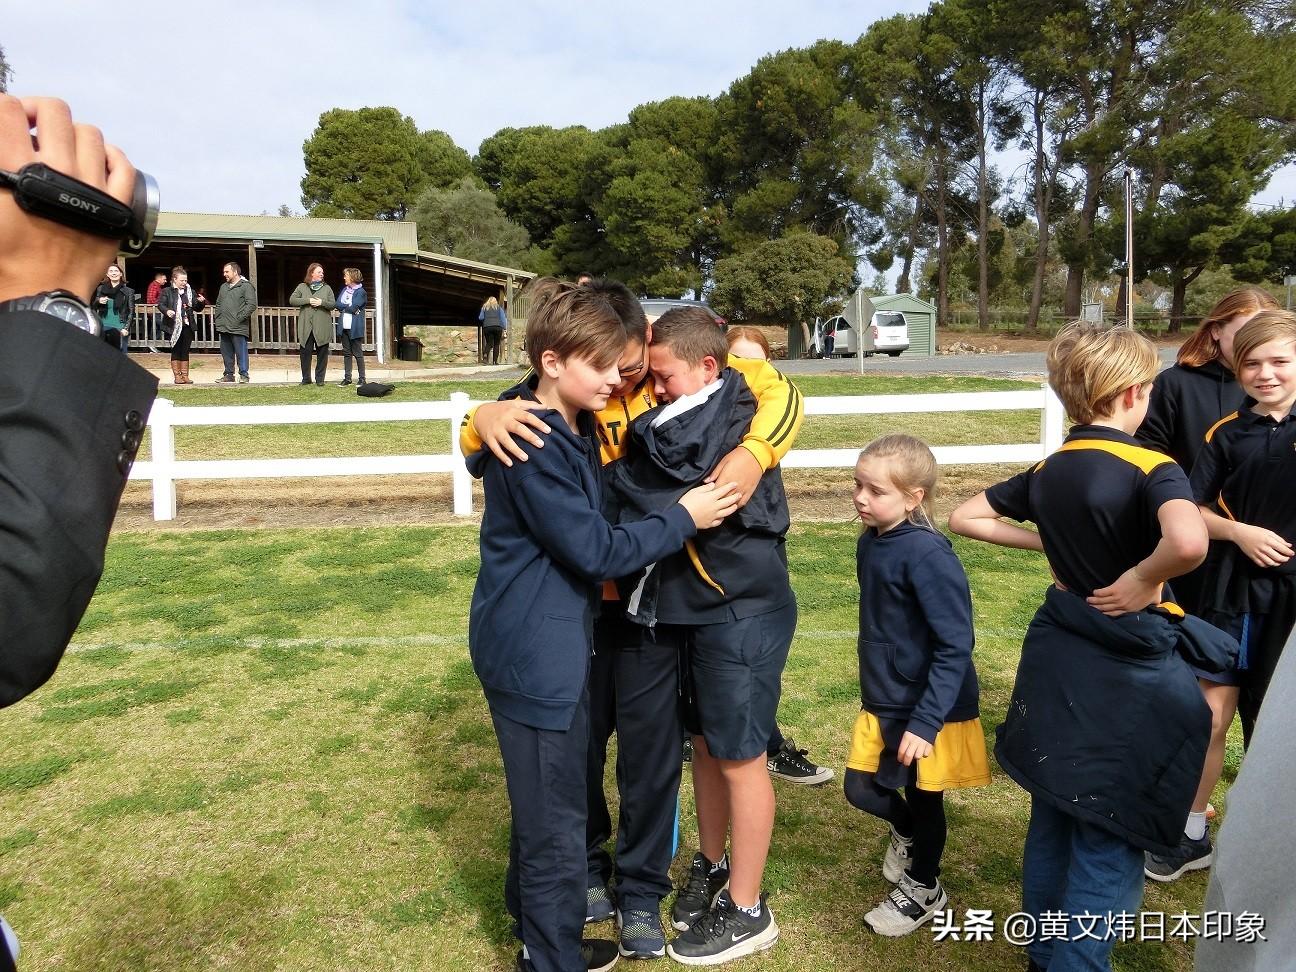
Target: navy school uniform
x,y
545,548
1186,401
1246,469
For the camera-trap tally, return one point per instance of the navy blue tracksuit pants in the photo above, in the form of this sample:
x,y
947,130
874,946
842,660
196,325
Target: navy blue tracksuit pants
x,y
634,691
544,889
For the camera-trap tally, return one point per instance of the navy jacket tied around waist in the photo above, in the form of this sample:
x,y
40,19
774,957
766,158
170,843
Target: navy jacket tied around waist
x,y
1107,722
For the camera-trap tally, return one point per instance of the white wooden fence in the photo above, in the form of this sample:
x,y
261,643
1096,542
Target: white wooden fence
x,y
164,469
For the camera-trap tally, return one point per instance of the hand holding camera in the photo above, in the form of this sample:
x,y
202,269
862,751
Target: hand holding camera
x,y
68,193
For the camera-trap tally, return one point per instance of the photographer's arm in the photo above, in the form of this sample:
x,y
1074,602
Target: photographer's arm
x,y
72,409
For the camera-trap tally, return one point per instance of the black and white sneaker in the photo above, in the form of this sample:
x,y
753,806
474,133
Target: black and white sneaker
x,y
906,908
790,764
598,904
724,934
896,861
1190,855
597,954
699,894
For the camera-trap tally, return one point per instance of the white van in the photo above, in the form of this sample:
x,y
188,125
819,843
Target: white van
x,y
888,334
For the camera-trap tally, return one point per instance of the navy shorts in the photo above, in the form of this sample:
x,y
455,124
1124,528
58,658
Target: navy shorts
x,y
1246,628
732,678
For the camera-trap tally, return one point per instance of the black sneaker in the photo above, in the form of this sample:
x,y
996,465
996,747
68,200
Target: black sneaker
x,y
699,894
598,904
598,955
906,908
344,382
790,764
244,379
641,934
306,381
1190,855
225,380
724,934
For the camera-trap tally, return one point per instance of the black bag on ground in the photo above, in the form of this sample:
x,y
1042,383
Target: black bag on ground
x,y
374,389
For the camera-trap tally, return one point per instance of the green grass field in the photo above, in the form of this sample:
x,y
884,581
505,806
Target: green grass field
x,y
267,750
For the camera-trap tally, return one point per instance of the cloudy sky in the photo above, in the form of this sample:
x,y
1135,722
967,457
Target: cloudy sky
x,y
216,104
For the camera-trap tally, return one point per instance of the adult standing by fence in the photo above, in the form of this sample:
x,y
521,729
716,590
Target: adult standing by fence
x,y
176,306
351,322
236,302
114,302
314,322
494,323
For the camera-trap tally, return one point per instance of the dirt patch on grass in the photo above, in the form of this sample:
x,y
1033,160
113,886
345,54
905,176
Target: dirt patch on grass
x,y
1013,341
814,495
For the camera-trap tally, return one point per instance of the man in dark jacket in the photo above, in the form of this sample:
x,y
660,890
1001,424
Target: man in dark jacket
x,y
71,410
235,304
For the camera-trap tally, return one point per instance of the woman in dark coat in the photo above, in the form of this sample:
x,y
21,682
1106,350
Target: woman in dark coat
x,y
114,302
177,307
351,322
314,321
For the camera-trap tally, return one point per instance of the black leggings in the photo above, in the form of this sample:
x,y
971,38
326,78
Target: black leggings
x,y
919,814
180,350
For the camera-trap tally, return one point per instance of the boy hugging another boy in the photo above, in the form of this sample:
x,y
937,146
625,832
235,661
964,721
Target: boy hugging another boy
x,y
726,604
545,549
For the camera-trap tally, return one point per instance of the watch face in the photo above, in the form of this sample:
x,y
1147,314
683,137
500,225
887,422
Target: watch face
x,y
74,312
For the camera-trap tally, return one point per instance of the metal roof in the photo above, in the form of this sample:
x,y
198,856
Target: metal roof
x,y
398,238
425,259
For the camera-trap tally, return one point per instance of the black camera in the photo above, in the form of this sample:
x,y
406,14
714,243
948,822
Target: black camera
x,y
51,194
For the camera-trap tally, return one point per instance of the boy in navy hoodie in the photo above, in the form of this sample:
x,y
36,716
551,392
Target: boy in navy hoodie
x,y
545,548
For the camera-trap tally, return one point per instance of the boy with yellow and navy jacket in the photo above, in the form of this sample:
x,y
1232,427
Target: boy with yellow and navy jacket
x,y
545,546
726,604
1106,728
634,679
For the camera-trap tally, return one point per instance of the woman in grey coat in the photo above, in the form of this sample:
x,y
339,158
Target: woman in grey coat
x,y
314,321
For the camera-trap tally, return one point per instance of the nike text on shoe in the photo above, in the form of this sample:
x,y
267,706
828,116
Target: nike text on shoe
x,y
906,908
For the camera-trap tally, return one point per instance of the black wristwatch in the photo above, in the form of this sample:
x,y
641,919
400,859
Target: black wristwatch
x,y
62,304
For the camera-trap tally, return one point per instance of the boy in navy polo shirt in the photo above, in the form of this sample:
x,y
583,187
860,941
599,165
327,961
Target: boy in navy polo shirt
x,y
726,602
1106,728
545,548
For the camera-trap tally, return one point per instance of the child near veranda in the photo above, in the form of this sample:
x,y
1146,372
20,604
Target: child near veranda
x,y
918,726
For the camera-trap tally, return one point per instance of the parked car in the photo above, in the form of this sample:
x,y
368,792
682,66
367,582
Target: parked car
x,y
655,307
888,333
845,342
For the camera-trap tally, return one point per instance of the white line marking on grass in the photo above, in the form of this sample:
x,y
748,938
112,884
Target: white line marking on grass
x,y
403,640
329,642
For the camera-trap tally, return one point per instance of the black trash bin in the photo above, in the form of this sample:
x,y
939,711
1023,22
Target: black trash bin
x,y
409,349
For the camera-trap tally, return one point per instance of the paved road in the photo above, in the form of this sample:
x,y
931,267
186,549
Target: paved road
x,y
1014,364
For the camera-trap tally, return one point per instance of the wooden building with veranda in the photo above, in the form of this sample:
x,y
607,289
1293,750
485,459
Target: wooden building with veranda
x,y
406,286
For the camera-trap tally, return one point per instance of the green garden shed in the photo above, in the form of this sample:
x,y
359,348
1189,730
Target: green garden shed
x,y
920,317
